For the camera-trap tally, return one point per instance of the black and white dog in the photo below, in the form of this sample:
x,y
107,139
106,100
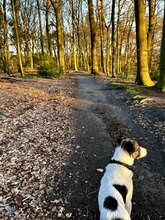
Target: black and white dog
x,y
116,188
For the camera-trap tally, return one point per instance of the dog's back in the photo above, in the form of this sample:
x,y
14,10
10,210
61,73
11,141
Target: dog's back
x,y
114,188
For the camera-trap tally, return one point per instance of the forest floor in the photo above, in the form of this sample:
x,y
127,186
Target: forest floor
x,y
57,134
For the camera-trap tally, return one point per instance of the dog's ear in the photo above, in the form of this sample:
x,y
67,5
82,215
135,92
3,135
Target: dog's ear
x,y
130,146
120,139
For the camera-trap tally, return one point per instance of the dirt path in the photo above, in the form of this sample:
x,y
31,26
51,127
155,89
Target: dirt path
x,y
68,131
102,114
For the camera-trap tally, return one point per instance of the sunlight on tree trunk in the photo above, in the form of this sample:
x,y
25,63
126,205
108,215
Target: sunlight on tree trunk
x,y
15,21
108,51
151,27
94,61
100,8
143,76
60,43
74,50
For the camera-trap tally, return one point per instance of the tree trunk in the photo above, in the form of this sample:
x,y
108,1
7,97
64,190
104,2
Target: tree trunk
x,y
85,52
143,76
40,25
118,46
100,6
60,42
7,68
113,39
108,51
128,49
151,27
49,43
93,28
15,21
74,52
161,81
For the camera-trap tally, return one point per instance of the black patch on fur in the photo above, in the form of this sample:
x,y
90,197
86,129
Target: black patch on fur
x,y
110,203
122,190
132,147
117,219
128,146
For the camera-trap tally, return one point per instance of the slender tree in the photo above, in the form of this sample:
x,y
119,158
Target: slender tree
x,y
108,50
113,40
143,76
74,49
27,21
40,26
6,39
49,43
93,30
15,8
151,28
161,81
100,8
60,42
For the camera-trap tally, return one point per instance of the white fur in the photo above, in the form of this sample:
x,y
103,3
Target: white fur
x,y
121,175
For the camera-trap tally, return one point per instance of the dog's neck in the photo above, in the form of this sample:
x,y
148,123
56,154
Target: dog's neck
x,y
120,163
122,157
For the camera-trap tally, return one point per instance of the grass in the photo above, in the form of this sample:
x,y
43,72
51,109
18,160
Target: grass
x,y
132,90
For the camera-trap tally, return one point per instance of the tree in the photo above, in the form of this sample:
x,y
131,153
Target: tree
x,y
40,25
60,42
74,53
6,52
113,40
151,27
27,20
93,28
161,81
108,50
49,43
15,8
95,34
100,8
6,39
143,76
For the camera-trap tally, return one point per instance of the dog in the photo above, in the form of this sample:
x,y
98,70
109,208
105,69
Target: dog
x,y
116,187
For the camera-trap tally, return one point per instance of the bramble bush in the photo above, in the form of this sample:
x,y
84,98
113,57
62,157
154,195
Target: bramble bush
x,y
47,67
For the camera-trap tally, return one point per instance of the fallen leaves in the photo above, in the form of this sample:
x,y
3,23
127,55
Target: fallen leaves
x,y
100,170
35,142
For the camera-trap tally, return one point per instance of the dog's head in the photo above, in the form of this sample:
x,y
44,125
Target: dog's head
x,y
132,147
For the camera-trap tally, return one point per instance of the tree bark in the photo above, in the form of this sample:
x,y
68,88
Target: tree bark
x,y
15,21
108,51
151,24
113,40
60,42
93,30
143,76
40,25
161,81
49,43
6,59
74,50
100,6
151,27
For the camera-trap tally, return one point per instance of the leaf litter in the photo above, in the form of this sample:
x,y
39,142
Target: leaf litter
x,y
35,143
